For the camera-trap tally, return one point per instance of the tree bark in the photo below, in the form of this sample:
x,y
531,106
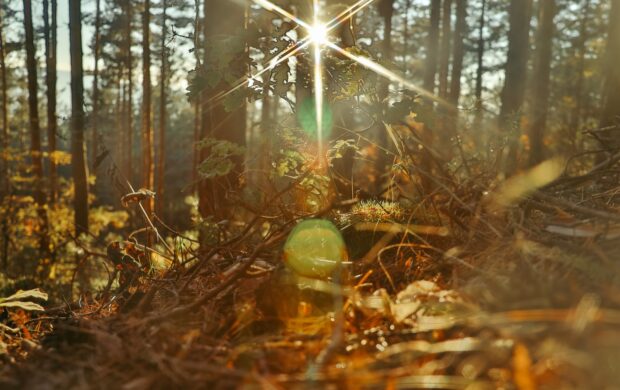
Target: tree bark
x,y
480,69
444,50
147,128
610,115
129,94
78,153
162,114
513,92
222,17
542,69
430,68
35,135
386,10
95,116
50,79
458,50
5,174
4,106
581,56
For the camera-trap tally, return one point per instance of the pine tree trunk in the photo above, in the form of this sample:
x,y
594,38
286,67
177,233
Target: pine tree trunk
x,y
480,69
430,68
162,115
129,94
444,50
581,56
95,116
5,174
50,80
78,153
147,128
4,106
35,136
542,70
611,90
222,17
513,92
458,50
386,10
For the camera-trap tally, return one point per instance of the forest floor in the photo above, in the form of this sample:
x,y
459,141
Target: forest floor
x,y
527,297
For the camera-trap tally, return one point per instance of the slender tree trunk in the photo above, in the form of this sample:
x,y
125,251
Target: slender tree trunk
x,y
430,68
35,136
406,37
217,122
50,79
162,114
581,56
5,173
611,90
444,50
386,10
95,116
129,94
430,74
458,50
147,127
78,152
542,70
480,69
198,103
512,95
4,106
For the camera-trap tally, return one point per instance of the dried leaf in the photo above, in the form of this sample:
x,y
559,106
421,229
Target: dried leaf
x,y
25,294
28,306
135,197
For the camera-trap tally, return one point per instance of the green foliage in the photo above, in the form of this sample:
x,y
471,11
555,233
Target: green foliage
x,y
221,158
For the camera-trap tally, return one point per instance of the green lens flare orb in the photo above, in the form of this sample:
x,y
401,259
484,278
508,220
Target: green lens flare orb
x,y
306,116
314,249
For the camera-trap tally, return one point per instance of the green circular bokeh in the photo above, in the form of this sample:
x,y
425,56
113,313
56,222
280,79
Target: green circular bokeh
x,y
314,249
306,115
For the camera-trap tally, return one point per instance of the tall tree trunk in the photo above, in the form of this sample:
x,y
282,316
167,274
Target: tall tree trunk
x,y
430,74
611,92
542,69
222,17
147,128
50,79
35,136
198,102
444,49
406,37
513,92
4,106
480,69
458,50
129,94
5,174
95,116
78,152
386,10
163,75
581,57
430,67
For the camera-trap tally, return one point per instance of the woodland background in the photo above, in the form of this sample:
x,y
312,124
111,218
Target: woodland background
x,y
121,116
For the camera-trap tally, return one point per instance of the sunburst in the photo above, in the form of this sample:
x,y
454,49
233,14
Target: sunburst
x,y
317,35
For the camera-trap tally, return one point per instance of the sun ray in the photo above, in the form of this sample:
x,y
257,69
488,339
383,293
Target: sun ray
x,y
383,71
269,6
277,60
318,40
